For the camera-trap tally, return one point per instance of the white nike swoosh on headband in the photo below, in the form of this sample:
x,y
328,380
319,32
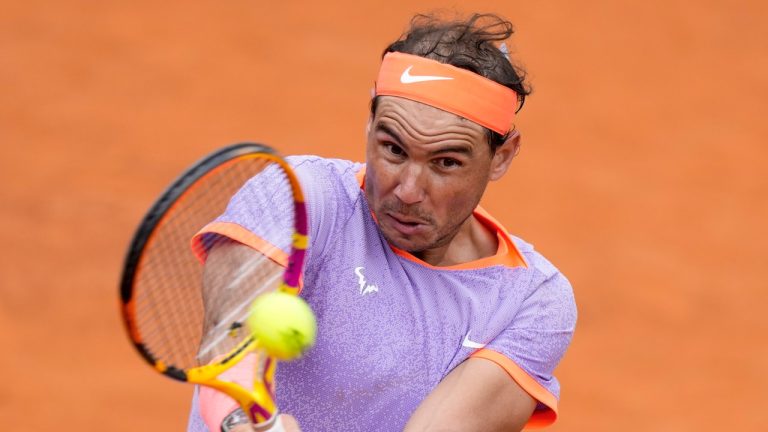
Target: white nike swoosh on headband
x,y
407,78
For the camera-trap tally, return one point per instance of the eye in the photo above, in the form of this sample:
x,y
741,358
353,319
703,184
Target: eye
x,y
448,163
394,149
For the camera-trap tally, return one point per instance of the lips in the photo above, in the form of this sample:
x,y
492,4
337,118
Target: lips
x,y
406,225
406,219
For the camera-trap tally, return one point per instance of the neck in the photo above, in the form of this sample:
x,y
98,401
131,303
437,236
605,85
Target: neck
x,y
472,242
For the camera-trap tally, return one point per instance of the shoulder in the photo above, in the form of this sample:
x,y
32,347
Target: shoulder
x,y
536,261
332,195
550,285
321,164
323,175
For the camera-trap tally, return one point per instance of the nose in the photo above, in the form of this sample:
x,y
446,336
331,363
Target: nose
x,y
410,188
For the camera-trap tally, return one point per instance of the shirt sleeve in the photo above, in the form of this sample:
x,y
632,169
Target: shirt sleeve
x,y
532,346
258,215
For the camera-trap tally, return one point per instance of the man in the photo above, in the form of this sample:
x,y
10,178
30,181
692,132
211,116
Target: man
x,y
431,316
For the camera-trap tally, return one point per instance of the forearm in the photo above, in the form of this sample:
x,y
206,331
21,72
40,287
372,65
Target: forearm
x,y
476,396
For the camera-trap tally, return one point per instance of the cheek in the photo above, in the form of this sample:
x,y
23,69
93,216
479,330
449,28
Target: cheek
x,y
458,198
384,174
377,181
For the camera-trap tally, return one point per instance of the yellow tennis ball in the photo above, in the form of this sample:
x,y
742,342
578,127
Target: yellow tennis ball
x,y
283,324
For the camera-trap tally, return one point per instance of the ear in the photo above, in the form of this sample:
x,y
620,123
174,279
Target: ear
x,y
502,159
371,115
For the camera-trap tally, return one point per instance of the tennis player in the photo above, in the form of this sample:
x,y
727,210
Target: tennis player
x,y
431,316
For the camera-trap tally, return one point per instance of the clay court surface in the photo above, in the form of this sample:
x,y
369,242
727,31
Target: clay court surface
x,y
642,176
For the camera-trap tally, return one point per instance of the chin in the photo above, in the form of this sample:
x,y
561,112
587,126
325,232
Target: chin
x,y
405,244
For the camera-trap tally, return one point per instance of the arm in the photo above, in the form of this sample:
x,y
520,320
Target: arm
x,y
480,394
230,257
233,275
477,395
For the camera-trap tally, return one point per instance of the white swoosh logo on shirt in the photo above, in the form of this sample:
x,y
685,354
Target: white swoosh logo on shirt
x,y
471,344
407,78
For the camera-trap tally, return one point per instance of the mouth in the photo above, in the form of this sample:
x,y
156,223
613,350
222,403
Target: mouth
x,y
406,225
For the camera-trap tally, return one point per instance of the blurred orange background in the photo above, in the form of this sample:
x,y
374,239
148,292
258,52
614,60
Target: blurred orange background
x,y
642,176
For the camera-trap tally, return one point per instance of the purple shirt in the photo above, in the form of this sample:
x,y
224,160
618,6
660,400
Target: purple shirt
x,y
391,327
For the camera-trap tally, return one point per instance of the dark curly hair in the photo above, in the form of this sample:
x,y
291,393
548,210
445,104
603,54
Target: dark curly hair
x,y
470,44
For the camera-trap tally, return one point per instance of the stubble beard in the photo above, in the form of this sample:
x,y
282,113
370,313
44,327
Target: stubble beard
x,y
441,237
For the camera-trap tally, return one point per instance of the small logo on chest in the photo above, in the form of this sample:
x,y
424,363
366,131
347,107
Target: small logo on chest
x,y
469,343
365,287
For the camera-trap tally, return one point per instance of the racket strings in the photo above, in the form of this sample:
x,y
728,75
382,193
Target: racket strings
x,y
217,332
189,313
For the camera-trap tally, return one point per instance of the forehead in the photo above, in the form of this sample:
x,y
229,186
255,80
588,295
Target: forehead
x,y
419,119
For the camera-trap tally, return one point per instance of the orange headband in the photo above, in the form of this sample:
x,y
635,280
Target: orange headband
x,y
448,88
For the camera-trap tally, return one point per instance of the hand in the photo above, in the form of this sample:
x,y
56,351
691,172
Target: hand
x,y
289,424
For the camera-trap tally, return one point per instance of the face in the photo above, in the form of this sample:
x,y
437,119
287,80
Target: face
x,y
426,172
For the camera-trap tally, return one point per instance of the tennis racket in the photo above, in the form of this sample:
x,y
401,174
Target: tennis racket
x,y
187,319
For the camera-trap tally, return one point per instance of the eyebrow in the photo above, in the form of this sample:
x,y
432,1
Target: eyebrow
x,y
387,130
461,149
